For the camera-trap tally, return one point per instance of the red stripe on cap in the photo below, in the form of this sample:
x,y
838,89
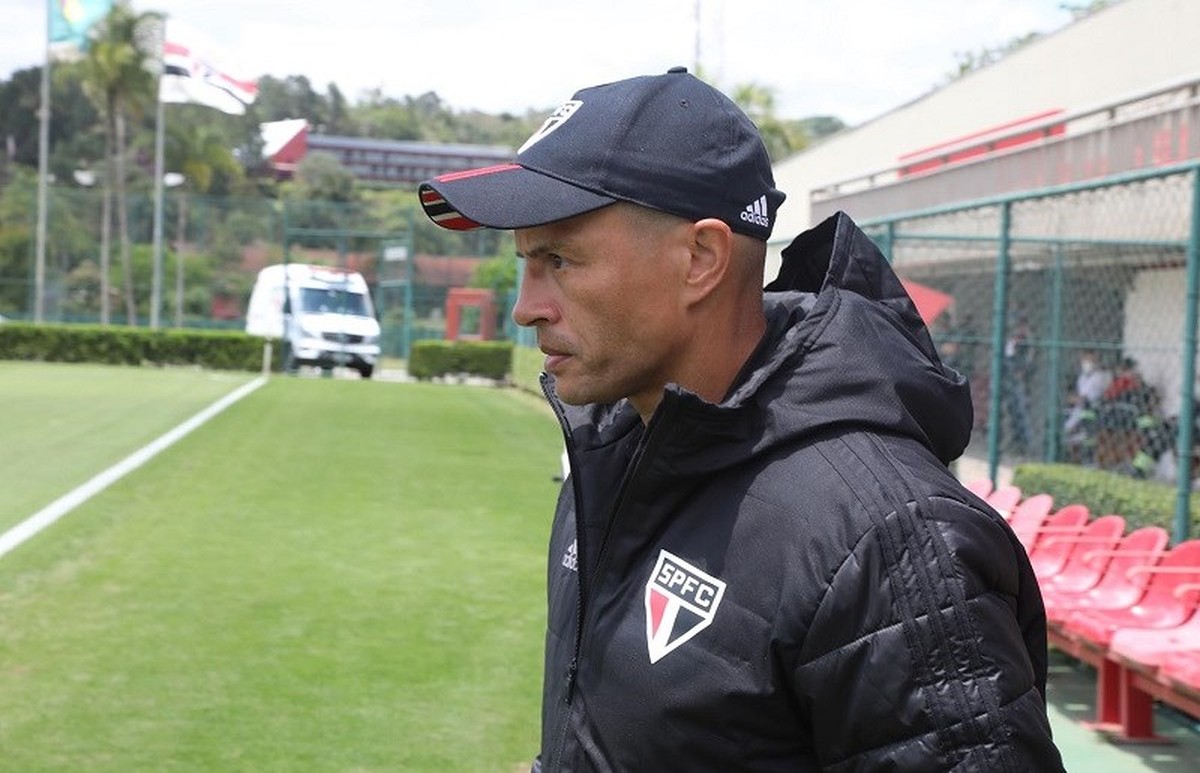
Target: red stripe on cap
x,y
457,223
452,176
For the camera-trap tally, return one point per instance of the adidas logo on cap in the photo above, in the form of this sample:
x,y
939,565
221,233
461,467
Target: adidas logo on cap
x,y
757,212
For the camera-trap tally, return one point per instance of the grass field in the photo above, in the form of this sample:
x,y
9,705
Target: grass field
x,y
62,424
330,575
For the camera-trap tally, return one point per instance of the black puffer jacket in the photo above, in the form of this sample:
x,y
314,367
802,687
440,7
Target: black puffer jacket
x,y
792,580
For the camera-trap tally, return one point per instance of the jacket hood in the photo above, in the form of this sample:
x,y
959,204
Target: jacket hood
x,y
864,355
845,349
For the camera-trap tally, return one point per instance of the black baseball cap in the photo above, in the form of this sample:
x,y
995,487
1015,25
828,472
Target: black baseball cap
x,y
668,142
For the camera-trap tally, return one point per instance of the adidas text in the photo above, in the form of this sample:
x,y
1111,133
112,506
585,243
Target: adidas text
x,y
757,212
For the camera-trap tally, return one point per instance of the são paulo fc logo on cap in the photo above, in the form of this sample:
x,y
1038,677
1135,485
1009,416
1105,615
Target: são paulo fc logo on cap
x,y
681,601
556,119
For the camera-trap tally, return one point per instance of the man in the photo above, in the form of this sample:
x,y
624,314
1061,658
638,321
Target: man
x,y
1018,377
1079,428
1092,380
759,560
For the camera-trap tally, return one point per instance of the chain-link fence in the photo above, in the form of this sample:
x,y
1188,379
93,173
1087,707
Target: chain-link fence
x,y
1073,311
212,250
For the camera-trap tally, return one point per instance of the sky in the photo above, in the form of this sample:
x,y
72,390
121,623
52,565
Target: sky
x,y
853,59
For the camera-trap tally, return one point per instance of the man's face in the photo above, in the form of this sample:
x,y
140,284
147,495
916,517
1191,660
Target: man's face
x,y
603,291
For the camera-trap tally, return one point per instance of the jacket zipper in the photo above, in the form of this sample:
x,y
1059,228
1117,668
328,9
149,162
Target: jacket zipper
x,y
573,666
634,463
631,473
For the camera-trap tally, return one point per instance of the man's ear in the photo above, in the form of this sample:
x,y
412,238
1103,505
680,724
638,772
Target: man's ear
x,y
711,247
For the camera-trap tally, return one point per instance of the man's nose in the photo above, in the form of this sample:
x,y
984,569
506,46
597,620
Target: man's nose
x,y
532,304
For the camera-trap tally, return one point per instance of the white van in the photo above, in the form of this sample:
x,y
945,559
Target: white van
x,y
332,320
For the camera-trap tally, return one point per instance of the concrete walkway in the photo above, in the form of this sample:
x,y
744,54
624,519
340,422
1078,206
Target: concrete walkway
x,y
1072,702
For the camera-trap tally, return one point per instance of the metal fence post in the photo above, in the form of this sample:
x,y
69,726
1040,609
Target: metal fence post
x,y
1053,444
1183,449
409,274
888,248
999,330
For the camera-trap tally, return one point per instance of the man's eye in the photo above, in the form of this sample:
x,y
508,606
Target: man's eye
x,y
557,262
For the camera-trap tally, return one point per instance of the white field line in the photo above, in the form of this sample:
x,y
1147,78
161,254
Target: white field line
x,y
72,499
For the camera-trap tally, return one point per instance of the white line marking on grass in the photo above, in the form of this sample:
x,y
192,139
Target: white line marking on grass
x,y
72,499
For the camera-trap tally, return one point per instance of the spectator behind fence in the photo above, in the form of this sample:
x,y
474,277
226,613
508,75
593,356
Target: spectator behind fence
x,y
1018,377
1079,428
1129,423
957,345
1126,383
759,559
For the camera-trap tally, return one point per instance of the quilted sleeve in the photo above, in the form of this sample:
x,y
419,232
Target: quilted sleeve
x,y
928,651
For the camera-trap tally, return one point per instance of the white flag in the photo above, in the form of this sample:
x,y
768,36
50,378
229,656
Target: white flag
x,y
188,78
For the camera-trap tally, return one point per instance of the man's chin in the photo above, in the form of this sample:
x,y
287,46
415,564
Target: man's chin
x,y
568,396
571,392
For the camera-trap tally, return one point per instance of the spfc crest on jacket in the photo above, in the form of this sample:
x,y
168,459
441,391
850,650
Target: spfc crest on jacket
x,y
681,601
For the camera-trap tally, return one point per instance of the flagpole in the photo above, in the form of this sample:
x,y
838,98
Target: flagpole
x,y
156,285
39,269
156,66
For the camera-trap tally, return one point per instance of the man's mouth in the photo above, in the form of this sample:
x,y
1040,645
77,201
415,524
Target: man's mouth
x,y
554,357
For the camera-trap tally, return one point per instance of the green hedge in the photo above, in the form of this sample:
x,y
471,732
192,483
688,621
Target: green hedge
x,y
487,359
527,363
1142,502
119,345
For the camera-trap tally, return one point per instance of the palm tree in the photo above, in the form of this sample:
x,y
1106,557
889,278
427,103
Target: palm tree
x,y
118,82
102,63
200,153
781,137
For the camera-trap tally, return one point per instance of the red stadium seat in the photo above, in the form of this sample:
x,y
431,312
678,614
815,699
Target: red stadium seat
x,y
1028,516
980,487
1159,606
1062,561
1146,648
1004,499
1067,521
1116,589
1181,669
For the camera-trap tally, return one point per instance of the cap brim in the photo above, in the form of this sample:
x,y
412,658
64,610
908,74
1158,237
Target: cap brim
x,y
506,197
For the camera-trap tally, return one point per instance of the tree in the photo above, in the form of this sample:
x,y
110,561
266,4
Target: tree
x,y
71,120
118,82
320,176
781,137
340,121
290,97
1083,10
386,118
970,61
200,153
498,274
819,126
70,234
318,198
